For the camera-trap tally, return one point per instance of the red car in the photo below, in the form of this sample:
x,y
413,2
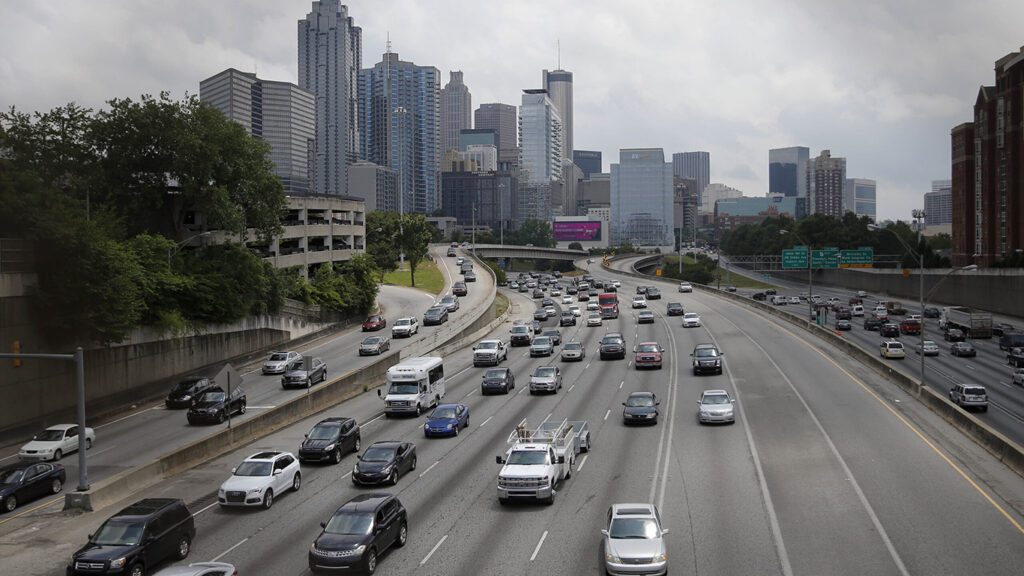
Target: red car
x,y
648,355
459,289
375,322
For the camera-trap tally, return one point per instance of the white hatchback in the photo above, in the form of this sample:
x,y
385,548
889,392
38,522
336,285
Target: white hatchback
x,y
259,478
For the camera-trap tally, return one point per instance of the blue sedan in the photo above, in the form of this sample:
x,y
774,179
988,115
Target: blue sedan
x,y
446,420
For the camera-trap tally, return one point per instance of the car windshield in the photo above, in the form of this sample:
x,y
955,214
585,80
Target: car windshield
x,y
411,388
527,457
640,401
213,397
541,341
487,346
279,357
544,372
251,468
372,340
715,399
323,432
378,454
495,374
116,533
10,476
690,316
435,311
633,528
571,308
373,319
184,386
647,348
519,329
573,346
446,412
403,322
448,299
348,524
551,333
706,353
49,435
637,298
610,340
928,343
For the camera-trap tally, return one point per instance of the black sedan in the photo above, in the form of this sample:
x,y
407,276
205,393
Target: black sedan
x,y
963,349
185,393
20,483
384,462
305,373
215,405
640,408
540,315
675,309
954,335
435,315
872,323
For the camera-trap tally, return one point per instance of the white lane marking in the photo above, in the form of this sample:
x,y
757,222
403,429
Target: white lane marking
x,y
524,390
471,392
525,354
95,453
8,457
206,508
608,413
434,549
484,423
372,420
570,388
539,544
673,393
224,553
628,364
127,417
346,475
588,366
582,461
424,473
260,407
546,417
621,384
968,366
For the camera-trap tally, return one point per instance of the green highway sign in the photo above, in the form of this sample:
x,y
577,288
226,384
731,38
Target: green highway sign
x,y
862,258
767,276
827,258
795,258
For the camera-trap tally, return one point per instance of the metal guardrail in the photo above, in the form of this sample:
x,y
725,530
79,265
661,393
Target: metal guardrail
x,y
16,256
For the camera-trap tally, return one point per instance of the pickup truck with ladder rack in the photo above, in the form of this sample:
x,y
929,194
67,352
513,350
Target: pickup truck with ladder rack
x,y
539,459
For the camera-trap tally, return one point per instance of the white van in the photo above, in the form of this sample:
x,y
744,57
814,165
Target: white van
x,y
857,310
779,300
413,386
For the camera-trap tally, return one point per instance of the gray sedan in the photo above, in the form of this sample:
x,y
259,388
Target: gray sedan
x,y
305,372
374,345
716,406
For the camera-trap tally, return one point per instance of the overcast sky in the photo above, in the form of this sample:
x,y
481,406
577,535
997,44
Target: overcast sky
x,y
879,82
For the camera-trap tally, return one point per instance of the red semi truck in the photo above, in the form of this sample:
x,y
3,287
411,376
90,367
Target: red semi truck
x,y
609,302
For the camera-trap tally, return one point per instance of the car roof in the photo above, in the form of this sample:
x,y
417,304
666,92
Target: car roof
x,y
447,406
193,568
61,426
147,506
643,394
365,503
631,509
336,420
705,345
266,455
647,344
386,444
715,392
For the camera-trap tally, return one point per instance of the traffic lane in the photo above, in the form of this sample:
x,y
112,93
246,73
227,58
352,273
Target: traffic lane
x,y
915,492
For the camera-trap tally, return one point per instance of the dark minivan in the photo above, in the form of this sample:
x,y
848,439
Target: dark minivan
x,y
358,533
137,539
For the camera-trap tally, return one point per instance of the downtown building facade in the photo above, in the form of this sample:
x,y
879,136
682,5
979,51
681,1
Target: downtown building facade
x,y
480,199
330,52
540,156
280,113
826,184
786,171
641,198
399,114
695,166
558,84
456,111
988,171
938,204
860,197
589,161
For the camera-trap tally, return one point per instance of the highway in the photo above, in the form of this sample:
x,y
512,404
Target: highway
x,y
829,469
151,430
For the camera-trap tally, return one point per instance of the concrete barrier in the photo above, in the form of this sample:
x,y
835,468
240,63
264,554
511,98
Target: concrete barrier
x,y
1005,450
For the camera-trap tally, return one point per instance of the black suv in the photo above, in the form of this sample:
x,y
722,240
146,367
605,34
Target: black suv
x,y
890,330
361,530
613,346
675,309
872,323
497,379
187,392
215,405
706,358
329,439
137,539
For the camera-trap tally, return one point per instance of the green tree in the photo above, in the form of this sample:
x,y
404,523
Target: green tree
x,y
575,246
536,232
413,239
381,231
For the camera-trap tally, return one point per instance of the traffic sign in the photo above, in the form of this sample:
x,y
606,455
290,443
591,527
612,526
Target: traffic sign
x,y
795,258
862,258
827,258
767,276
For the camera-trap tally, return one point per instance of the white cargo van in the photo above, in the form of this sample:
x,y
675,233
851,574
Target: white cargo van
x,y
413,386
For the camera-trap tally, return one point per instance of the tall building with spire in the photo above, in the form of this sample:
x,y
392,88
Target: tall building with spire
x,y
558,83
330,55
456,111
400,127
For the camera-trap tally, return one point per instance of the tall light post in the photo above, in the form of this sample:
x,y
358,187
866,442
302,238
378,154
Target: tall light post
x,y
501,222
920,273
177,247
810,278
401,197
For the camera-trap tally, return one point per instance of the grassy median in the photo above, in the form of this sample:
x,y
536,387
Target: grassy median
x,y
500,304
428,277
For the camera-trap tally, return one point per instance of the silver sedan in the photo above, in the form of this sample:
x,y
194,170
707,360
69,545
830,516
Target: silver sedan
x,y
716,406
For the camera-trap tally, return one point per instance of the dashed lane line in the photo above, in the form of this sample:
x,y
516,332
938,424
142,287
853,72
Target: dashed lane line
x,y
434,549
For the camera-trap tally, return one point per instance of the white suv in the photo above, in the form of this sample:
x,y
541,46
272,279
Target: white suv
x,y
259,478
969,396
405,327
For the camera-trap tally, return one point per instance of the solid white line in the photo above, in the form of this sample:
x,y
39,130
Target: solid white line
x,y
484,423
606,414
205,509
372,420
424,473
224,553
582,461
434,549
127,417
539,544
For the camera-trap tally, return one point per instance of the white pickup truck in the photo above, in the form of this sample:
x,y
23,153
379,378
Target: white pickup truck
x,y
540,458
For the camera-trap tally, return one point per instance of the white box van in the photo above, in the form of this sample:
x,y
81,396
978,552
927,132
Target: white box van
x,y
413,386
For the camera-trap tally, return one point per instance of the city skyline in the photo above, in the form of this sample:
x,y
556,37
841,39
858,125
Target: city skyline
x,y
773,86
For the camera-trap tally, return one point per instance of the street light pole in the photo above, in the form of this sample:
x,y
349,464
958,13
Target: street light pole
x,y
177,247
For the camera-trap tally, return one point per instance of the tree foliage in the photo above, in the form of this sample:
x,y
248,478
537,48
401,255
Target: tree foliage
x,y
413,239
536,232
381,245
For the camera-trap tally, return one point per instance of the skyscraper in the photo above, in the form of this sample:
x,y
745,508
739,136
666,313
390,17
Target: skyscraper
x,y
859,197
540,154
330,54
641,196
826,182
280,113
589,161
786,170
558,83
399,114
938,204
502,119
695,166
456,111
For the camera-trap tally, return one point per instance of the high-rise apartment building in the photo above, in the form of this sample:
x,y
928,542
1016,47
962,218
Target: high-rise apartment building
x,y
456,111
589,161
502,119
280,113
859,197
330,54
786,171
826,182
938,204
399,114
641,198
695,166
965,210
558,83
540,155
996,199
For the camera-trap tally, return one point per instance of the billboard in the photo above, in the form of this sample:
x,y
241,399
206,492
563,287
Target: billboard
x,y
579,231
